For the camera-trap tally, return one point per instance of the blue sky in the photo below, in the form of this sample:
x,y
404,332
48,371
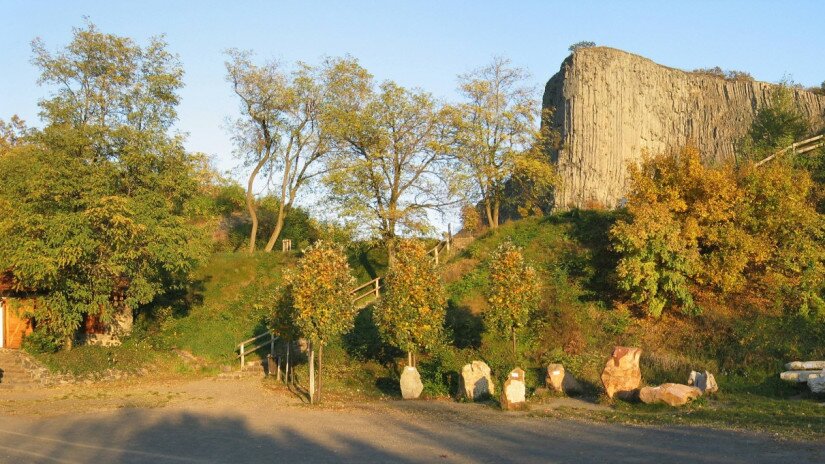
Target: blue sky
x,y
416,43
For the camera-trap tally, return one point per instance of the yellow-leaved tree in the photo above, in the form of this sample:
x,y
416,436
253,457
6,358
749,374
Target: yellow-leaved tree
x,y
514,292
321,308
412,309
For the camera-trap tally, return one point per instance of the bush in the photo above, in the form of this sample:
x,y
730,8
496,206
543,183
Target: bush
x,y
41,341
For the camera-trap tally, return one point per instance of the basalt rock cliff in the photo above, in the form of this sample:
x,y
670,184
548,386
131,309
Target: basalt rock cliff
x,y
612,106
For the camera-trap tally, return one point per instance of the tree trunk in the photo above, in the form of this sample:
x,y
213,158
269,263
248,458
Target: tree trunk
x,y
515,355
279,225
409,358
320,368
311,373
286,374
250,202
492,219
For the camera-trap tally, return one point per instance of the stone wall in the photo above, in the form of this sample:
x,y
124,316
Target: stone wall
x,y
612,106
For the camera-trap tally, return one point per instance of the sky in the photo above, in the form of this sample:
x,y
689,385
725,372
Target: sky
x,y
423,44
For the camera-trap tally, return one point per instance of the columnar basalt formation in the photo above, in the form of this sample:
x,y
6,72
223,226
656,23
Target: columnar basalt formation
x,y
612,106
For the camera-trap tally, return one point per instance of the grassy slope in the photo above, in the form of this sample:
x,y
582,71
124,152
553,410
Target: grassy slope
x,y
579,323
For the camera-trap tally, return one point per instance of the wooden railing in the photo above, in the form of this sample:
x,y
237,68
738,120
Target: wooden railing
x,y
243,350
797,148
361,296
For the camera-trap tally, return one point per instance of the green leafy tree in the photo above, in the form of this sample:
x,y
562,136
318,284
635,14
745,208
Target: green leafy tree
x,y
496,136
753,232
321,304
391,166
580,45
96,209
412,309
279,132
514,292
777,125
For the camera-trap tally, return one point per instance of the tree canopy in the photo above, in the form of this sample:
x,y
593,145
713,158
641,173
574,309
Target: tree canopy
x,y
97,209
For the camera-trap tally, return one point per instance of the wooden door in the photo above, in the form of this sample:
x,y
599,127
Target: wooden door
x,y
16,326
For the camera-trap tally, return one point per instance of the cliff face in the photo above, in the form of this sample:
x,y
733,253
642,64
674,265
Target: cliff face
x,y
612,106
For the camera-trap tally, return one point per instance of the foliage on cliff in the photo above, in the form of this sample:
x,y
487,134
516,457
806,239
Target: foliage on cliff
x,y
752,231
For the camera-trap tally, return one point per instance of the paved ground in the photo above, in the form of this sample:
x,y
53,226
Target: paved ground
x,y
238,421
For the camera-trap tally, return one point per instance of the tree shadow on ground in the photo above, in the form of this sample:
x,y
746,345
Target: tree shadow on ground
x,y
466,328
429,432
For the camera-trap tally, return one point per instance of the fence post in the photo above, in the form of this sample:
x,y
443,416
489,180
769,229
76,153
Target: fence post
x,y
377,288
271,344
436,254
243,360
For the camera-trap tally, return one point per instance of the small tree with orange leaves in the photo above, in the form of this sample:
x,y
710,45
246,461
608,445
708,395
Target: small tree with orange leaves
x,y
514,292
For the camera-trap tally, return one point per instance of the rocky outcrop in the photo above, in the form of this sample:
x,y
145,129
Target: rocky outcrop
x,y
411,386
622,376
612,106
672,394
704,381
476,381
513,394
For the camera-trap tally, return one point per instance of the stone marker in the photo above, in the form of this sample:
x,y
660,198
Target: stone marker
x,y
673,394
621,376
561,381
799,376
476,382
817,384
704,381
411,386
805,366
514,391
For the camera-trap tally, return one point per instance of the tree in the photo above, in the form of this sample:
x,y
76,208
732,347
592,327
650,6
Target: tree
x,y
12,133
412,309
390,166
279,131
514,292
579,45
494,132
777,125
96,209
470,219
749,231
319,291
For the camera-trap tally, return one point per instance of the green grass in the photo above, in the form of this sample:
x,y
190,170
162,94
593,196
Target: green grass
x,y
88,360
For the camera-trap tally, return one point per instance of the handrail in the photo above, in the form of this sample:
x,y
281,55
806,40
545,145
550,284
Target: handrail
x,y
371,282
374,286
252,339
794,146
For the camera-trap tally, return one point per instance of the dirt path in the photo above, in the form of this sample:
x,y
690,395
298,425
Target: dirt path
x,y
237,421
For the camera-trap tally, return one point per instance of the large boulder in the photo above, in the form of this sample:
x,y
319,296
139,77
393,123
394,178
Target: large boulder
x,y
817,384
622,376
704,381
514,391
673,394
411,386
476,382
560,380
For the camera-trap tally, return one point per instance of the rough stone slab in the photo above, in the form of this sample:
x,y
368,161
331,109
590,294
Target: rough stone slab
x,y
805,366
622,376
411,385
673,394
704,381
476,381
799,376
817,384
